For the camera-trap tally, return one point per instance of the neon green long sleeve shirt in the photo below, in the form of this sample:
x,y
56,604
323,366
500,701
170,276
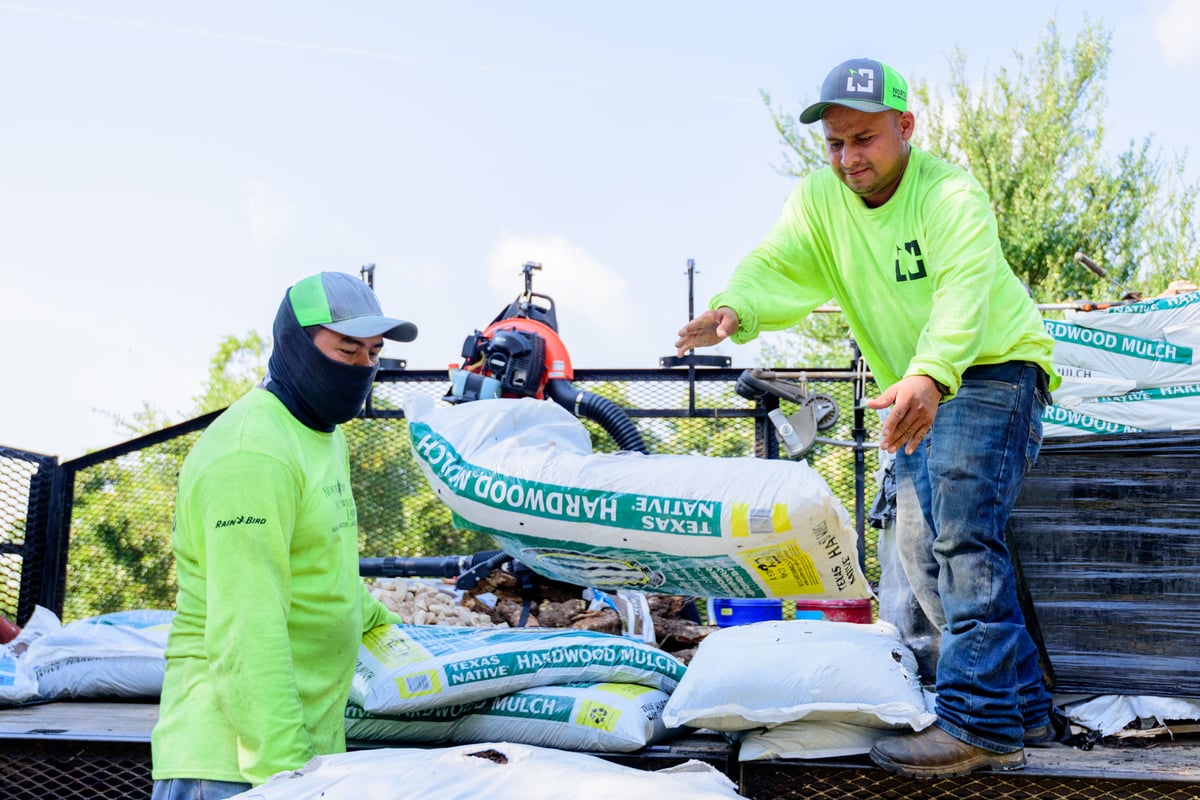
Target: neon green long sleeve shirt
x,y
922,280
270,609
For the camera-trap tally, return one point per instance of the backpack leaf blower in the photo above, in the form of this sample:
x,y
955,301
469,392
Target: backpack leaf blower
x,y
520,354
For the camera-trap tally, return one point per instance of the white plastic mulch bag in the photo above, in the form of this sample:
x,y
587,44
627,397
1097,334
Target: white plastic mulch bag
x,y
1060,421
1175,407
41,622
597,717
18,683
1110,714
403,669
1080,384
1147,361
811,739
769,673
523,471
1158,318
112,655
495,770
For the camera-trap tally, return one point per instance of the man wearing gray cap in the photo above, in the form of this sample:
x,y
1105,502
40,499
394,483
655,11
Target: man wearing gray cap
x,y
271,609
907,246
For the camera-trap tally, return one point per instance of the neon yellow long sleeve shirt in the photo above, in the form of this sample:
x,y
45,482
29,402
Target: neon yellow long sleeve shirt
x,y
922,279
270,609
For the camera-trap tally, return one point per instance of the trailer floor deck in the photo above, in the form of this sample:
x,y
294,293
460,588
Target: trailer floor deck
x,y
73,750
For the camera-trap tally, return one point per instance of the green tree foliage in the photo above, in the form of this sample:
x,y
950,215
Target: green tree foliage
x,y
234,369
398,513
1034,137
826,342
120,550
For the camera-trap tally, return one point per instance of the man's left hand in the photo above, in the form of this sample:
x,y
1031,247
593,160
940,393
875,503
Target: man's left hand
x,y
914,402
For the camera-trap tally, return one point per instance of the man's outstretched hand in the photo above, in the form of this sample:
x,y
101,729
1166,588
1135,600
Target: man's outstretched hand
x,y
711,327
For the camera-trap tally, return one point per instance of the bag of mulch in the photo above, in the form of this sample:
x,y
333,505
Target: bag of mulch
x,y
595,717
1157,318
769,673
41,622
1147,361
492,770
1058,421
523,471
1112,715
112,655
18,683
804,739
1162,408
1080,384
403,669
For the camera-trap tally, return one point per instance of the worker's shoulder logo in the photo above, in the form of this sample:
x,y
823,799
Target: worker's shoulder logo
x,y
910,265
241,519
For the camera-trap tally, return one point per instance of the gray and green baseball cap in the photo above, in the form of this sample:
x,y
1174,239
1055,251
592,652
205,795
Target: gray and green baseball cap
x,y
347,305
863,84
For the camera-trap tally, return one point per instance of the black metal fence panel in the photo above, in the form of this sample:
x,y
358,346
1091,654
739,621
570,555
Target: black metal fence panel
x,y
104,545
26,491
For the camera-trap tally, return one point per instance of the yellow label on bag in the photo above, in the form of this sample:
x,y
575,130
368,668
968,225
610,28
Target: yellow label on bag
x,y
786,568
744,520
597,715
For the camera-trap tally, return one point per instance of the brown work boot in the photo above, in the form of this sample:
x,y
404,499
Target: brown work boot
x,y
933,753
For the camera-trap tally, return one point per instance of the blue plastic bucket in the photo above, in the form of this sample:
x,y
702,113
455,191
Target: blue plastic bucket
x,y
727,611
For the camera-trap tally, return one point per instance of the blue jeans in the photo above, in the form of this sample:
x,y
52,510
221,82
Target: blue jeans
x,y
954,495
188,789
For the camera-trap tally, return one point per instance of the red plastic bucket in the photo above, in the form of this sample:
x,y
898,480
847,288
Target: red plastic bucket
x,y
8,630
857,610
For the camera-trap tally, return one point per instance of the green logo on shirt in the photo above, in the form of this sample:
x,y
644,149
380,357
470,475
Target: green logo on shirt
x,y
910,266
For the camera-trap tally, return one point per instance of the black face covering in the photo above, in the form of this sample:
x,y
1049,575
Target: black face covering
x,y
319,391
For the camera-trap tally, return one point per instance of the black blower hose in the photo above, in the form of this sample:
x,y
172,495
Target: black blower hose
x,y
601,410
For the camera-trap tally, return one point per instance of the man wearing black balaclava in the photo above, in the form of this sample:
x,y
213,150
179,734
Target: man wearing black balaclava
x,y
271,609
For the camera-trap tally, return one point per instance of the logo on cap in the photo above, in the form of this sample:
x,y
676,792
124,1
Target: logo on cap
x,y
865,82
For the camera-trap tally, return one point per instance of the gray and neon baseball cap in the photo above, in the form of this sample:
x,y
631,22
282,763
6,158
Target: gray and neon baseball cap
x,y
347,305
863,84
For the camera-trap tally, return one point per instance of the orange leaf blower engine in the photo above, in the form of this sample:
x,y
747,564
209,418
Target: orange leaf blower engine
x,y
521,355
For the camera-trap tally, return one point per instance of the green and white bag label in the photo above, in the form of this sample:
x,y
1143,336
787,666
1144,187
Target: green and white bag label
x,y
523,472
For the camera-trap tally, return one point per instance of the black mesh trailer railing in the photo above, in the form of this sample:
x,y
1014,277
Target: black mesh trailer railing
x,y
29,483
92,535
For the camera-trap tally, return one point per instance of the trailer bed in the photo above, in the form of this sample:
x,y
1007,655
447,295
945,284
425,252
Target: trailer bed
x,y
101,751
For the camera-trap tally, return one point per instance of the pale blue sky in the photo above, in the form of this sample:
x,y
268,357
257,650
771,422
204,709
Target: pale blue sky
x,y
169,168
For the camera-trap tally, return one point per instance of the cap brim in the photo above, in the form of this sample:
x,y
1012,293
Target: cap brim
x,y
365,327
814,112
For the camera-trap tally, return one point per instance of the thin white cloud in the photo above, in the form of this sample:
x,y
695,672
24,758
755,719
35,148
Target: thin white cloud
x,y
269,212
573,278
1178,31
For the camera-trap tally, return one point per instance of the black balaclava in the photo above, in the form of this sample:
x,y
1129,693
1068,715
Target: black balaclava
x,y
319,391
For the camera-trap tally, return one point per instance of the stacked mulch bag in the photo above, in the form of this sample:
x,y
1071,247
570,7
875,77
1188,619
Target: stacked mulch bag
x,y
519,658
117,655
1128,368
